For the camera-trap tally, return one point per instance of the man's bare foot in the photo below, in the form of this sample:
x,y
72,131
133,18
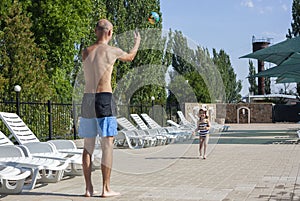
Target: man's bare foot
x,y
110,194
89,193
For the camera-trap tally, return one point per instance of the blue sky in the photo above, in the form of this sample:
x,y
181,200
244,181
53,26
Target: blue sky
x,y
229,25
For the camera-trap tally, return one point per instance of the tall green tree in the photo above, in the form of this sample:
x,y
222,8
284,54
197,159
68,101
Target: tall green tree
x,y
22,62
201,72
295,30
251,79
211,85
267,85
5,6
59,26
183,72
183,55
229,77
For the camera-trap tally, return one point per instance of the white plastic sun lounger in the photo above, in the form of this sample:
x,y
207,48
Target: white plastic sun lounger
x,y
31,144
12,179
126,125
161,140
130,139
184,121
23,134
44,169
180,133
194,119
161,134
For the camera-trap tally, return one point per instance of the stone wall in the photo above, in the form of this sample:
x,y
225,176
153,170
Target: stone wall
x,y
234,113
258,113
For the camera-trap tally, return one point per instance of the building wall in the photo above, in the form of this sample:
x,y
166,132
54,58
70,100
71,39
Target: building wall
x,y
228,113
259,113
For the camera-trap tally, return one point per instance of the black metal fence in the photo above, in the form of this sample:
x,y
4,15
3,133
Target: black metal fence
x,y
59,121
46,120
286,113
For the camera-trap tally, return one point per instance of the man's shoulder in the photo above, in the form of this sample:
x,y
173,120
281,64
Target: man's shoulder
x,y
96,49
116,51
91,48
114,48
86,51
103,47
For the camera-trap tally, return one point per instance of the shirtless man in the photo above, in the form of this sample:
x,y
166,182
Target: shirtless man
x,y
97,113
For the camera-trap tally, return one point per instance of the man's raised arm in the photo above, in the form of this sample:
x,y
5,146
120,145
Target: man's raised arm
x,y
130,56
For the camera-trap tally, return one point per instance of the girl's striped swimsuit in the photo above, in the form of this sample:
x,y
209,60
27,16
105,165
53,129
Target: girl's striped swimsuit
x,y
202,131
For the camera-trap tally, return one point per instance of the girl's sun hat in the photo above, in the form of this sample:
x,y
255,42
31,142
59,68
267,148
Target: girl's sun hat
x,y
203,108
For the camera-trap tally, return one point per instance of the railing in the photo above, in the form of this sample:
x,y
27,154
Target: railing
x,y
46,120
261,40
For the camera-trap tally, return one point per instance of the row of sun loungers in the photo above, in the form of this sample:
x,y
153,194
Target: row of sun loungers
x,y
147,132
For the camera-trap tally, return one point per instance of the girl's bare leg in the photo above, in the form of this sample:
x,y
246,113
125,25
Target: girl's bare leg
x,y
200,146
205,146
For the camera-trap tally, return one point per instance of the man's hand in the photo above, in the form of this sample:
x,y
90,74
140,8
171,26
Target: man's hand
x,y
137,37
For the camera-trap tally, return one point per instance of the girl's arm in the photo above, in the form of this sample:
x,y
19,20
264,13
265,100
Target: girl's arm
x,y
208,124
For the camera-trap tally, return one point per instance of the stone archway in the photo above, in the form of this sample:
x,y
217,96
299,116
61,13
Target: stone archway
x,y
243,108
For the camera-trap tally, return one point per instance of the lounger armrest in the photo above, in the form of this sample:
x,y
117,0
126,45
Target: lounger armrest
x,y
11,151
172,123
38,147
63,144
13,173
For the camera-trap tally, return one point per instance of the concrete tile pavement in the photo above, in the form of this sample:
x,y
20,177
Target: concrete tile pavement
x,y
231,172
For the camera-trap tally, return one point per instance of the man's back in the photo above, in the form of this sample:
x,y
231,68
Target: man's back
x,y
98,65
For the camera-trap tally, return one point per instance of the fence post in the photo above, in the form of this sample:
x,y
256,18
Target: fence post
x,y
50,120
162,115
128,109
74,119
17,89
170,111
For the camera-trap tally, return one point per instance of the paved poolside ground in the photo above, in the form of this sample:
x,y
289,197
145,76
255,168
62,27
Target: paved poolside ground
x,y
242,164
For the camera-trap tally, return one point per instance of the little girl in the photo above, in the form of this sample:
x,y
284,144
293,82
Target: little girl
x,y
203,126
